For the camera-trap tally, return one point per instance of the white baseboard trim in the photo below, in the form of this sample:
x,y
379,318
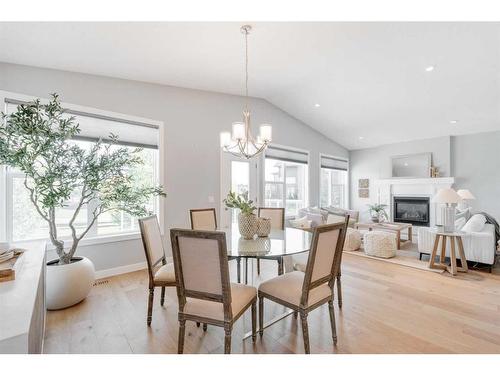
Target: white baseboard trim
x,y
120,270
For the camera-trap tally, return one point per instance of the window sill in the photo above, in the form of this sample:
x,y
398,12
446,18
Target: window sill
x,y
99,240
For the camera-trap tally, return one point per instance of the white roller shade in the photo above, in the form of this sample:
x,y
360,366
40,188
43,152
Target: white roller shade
x,y
334,163
279,153
95,126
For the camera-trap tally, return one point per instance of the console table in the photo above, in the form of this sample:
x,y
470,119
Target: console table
x,y
22,303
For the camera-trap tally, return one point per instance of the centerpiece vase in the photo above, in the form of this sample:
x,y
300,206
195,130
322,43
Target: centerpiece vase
x,y
247,224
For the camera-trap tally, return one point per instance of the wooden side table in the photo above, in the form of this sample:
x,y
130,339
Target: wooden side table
x,y
452,268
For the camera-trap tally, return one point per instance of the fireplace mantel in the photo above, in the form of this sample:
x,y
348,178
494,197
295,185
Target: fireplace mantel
x,y
388,188
417,181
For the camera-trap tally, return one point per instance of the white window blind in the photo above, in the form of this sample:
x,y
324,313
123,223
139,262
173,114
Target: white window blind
x,y
95,126
334,163
283,154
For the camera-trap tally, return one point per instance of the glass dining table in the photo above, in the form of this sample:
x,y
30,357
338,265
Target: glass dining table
x,y
279,243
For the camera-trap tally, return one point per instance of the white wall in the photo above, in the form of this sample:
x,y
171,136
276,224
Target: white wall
x,y
193,120
375,163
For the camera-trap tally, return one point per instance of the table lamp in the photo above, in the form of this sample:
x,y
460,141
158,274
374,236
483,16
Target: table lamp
x,y
466,195
449,198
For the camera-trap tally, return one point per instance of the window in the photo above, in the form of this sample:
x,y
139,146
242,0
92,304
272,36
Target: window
x,y
23,222
333,185
286,180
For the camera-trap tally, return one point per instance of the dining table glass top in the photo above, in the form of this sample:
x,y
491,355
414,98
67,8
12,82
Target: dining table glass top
x,y
279,243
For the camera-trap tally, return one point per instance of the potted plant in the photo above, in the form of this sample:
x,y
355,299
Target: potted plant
x,y
36,140
247,221
377,212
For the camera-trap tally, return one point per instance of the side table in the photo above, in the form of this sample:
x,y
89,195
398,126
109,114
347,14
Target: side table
x,y
454,237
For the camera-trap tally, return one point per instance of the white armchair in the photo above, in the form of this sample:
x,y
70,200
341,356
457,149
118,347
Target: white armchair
x,y
478,246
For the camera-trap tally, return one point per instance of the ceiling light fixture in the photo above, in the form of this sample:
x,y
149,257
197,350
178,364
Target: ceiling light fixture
x,y
241,143
317,105
430,68
453,122
361,138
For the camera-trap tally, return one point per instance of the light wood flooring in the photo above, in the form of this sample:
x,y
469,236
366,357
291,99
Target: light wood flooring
x,y
387,308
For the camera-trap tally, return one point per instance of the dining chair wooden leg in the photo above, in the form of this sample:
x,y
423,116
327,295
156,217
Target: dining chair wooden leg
x,y
197,324
258,266
339,292
205,327
238,270
254,320
305,331
227,340
246,271
261,316
150,305
162,300
295,314
182,332
332,321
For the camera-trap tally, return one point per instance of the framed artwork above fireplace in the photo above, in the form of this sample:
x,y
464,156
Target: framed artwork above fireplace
x,y
412,165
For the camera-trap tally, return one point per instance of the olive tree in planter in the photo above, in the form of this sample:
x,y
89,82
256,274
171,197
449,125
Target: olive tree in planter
x,y
35,140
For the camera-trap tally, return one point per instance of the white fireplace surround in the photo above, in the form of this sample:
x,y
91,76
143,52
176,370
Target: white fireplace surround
x,y
389,188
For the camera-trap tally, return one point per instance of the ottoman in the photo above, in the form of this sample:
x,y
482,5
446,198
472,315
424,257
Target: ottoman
x,y
352,240
380,244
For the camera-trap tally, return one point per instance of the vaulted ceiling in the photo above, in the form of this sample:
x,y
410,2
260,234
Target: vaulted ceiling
x,y
375,83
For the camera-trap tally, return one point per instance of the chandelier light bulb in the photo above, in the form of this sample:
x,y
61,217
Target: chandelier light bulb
x,y
266,133
225,139
238,131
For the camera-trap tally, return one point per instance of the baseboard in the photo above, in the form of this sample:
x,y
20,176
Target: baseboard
x,y
120,270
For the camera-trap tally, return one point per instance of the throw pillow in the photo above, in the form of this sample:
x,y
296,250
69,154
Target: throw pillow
x,y
459,223
475,224
333,219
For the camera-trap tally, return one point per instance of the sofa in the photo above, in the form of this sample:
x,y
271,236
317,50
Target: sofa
x,y
479,246
311,217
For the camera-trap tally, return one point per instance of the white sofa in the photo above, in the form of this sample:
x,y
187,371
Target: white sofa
x,y
478,246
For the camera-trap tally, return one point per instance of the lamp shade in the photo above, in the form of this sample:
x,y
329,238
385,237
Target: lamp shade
x,y
465,194
446,196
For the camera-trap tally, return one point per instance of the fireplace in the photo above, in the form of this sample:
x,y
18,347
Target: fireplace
x,y
413,210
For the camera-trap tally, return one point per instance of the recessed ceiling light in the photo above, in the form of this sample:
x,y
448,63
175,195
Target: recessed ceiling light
x,y
453,121
361,138
317,105
430,68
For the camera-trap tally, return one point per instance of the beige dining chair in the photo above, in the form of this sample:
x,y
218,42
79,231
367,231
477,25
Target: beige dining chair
x,y
203,219
305,291
277,217
301,266
161,274
203,288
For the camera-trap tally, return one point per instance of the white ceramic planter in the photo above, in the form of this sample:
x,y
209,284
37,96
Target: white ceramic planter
x,y
68,284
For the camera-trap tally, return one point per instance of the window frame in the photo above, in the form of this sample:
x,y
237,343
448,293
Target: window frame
x,y
92,237
347,190
264,182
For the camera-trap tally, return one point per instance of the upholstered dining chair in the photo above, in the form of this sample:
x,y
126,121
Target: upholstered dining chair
x,y
161,273
203,219
203,288
277,217
300,266
305,291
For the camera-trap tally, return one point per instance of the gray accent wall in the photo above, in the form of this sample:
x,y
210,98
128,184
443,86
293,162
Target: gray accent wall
x,y
193,120
474,161
475,164
375,163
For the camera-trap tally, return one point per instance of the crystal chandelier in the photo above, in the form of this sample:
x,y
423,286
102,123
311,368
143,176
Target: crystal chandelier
x,y
241,143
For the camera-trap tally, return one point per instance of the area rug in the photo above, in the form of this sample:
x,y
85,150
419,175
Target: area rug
x,y
403,258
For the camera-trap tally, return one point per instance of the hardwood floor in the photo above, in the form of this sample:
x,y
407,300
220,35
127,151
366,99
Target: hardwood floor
x,y
387,308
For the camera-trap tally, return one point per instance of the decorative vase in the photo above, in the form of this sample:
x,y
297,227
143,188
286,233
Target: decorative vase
x,y
68,284
263,226
375,218
247,224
